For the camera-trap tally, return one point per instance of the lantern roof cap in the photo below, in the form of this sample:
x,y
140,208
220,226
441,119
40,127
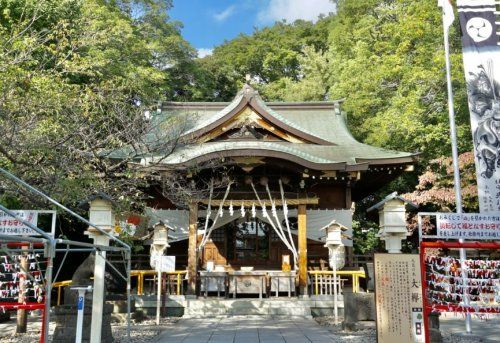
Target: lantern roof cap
x,y
162,223
334,222
392,196
96,196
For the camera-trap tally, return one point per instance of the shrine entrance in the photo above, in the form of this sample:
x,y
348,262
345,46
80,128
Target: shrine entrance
x,y
246,241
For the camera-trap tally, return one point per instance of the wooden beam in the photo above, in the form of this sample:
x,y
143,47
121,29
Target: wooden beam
x,y
192,249
302,224
278,202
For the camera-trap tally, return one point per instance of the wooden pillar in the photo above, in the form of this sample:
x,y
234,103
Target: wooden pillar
x,y
22,318
302,223
192,249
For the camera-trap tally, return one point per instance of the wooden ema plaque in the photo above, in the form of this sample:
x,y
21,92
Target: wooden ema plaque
x,y
398,298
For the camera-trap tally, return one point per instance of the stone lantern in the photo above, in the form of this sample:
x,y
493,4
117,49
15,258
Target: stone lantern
x,y
333,241
158,247
102,215
336,255
160,235
392,219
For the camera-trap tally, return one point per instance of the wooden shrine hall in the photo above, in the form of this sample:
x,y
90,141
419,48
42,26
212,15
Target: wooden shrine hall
x,y
275,174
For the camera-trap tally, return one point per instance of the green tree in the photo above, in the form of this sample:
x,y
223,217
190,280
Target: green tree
x,y
77,80
272,56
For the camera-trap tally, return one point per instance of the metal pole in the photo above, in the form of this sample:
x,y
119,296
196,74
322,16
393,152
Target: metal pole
x,y
45,196
48,288
51,245
81,310
158,293
128,256
335,302
456,171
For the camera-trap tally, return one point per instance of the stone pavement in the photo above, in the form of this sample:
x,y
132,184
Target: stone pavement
x,y
482,330
246,330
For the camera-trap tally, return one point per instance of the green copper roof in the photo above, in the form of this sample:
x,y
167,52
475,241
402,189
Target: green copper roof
x,y
331,147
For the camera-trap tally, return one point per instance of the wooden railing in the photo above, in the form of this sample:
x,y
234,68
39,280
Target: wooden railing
x,y
322,281
175,284
175,281
60,285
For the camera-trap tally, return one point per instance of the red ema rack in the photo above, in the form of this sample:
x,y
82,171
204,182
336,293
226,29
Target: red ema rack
x,y
428,308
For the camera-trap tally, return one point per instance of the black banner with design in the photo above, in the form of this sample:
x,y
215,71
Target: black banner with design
x,y
481,55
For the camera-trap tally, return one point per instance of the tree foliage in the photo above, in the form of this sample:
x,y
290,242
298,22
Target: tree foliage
x,y
77,80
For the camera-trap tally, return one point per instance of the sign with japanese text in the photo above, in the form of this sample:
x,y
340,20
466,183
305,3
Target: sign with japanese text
x,y
398,298
167,263
12,226
474,226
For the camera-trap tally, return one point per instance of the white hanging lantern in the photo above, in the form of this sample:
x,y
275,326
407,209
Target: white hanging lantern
x,y
242,209
231,210
264,211
254,212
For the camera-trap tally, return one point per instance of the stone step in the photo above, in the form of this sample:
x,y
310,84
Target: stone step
x,y
205,313
211,307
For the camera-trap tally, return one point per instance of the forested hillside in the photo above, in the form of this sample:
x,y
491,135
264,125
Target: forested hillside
x,y
77,77
386,59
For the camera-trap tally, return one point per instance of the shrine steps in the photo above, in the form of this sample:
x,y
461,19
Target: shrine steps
x,y
220,307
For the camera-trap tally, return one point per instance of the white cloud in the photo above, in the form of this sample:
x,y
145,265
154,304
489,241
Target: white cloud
x,y
292,10
223,15
202,52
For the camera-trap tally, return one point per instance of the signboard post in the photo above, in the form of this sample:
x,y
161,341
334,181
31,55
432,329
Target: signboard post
x,y
80,306
476,226
163,264
12,226
398,298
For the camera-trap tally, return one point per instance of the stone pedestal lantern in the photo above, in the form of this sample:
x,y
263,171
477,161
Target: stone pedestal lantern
x,y
158,247
102,215
96,314
336,256
392,219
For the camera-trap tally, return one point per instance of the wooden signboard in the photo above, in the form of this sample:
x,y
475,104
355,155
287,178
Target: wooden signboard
x,y
398,298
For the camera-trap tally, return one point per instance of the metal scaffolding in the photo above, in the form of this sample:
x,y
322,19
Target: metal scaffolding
x,y
51,244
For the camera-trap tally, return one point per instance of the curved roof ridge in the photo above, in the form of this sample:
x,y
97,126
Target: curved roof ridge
x,y
220,114
284,120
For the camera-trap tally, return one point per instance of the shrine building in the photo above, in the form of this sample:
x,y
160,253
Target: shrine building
x,y
275,174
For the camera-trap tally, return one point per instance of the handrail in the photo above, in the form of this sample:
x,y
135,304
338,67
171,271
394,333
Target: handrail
x,y
354,274
142,272
59,285
52,246
43,195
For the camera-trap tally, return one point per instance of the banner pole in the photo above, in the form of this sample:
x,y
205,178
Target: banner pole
x,y
456,171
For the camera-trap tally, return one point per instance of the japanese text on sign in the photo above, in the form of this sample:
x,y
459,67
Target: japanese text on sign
x,y
468,226
12,226
398,298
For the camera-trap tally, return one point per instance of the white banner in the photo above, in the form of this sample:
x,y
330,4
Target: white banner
x,y
473,226
12,226
481,55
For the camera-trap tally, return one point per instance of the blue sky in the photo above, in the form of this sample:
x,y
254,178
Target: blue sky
x,y
208,23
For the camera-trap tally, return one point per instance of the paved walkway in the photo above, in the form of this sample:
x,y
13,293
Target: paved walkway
x,y
486,330
246,330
